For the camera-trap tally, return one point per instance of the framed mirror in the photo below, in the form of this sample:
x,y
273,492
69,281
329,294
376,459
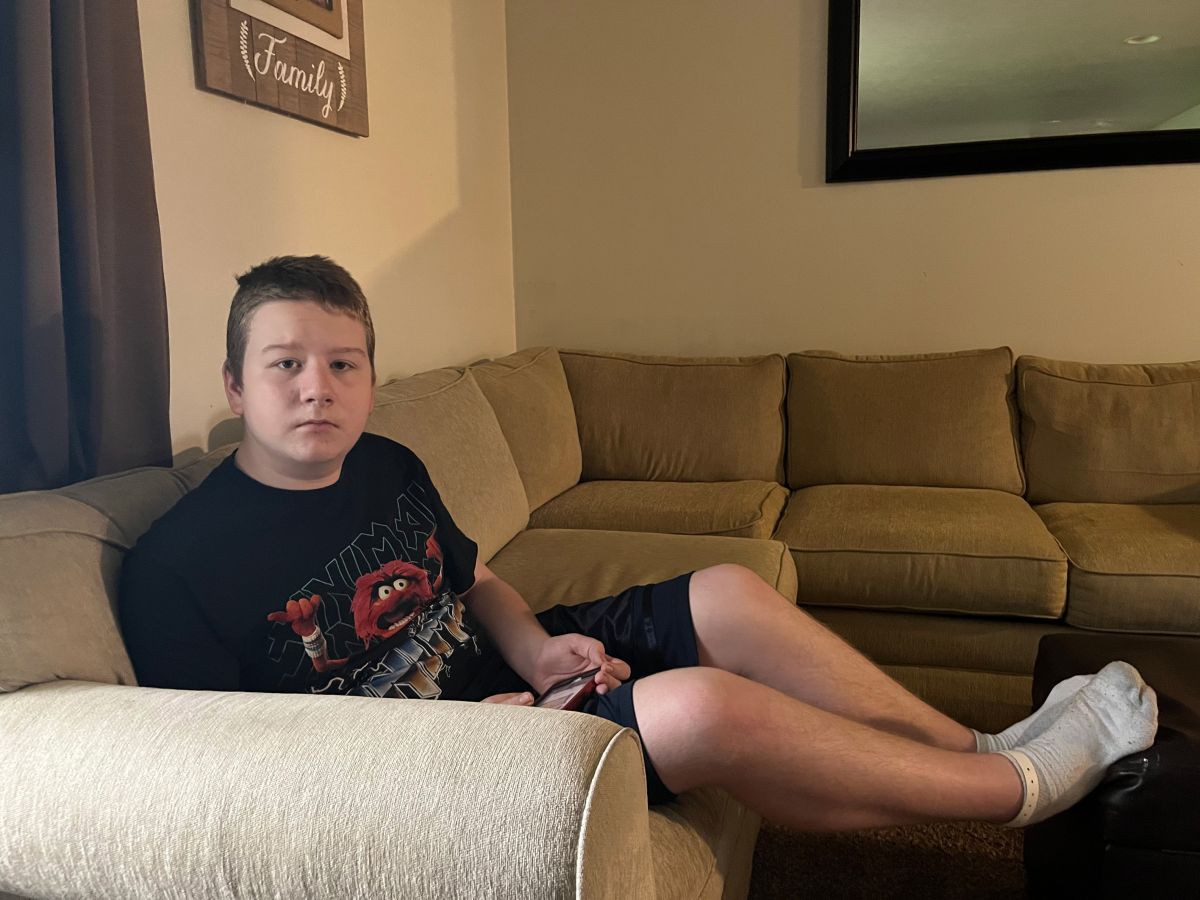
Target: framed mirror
x,y
953,87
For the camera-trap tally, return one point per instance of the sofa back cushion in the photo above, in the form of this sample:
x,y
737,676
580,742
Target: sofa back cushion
x,y
61,553
936,419
1110,433
664,418
444,418
528,392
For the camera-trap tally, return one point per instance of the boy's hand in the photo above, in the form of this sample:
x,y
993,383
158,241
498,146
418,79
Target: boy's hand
x,y
569,654
520,698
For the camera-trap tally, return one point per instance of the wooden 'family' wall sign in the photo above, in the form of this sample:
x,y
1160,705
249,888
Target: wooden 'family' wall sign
x,y
305,58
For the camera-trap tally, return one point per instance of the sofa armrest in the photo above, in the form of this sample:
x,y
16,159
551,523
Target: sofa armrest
x,y
114,791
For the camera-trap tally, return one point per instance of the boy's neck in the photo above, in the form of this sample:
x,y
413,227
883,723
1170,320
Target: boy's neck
x,y
250,462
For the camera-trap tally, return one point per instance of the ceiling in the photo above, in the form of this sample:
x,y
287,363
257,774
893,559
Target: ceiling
x,y
944,71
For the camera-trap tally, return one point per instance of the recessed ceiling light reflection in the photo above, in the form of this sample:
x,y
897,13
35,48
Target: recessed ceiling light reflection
x,y
1139,39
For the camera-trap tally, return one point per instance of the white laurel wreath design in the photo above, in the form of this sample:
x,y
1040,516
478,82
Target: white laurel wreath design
x,y
342,78
244,40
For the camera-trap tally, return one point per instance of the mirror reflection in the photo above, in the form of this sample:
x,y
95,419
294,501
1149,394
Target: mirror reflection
x,y
954,71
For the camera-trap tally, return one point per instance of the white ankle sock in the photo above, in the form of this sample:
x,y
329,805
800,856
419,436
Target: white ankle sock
x,y
1115,714
1033,725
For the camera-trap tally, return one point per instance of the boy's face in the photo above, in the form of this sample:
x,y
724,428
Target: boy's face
x,y
307,389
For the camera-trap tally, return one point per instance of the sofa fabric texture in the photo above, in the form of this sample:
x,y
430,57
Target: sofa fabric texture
x,y
676,418
549,566
60,623
937,420
445,419
1110,433
308,782
59,613
528,392
970,552
702,833
1134,567
924,639
731,508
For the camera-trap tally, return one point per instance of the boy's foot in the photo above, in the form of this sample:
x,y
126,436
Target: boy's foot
x,y
1031,726
1115,714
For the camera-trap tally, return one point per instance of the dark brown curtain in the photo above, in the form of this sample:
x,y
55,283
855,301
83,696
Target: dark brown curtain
x,y
83,321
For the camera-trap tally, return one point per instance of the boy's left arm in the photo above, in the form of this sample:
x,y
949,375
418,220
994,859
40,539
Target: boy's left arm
x,y
541,660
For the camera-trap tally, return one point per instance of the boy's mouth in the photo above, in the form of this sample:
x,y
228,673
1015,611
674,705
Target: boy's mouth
x,y
317,424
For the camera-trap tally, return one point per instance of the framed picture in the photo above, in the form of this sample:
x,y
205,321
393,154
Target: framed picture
x,y
324,14
303,58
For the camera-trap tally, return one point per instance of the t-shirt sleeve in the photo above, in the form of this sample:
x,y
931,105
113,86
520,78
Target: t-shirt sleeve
x,y
169,642
459,550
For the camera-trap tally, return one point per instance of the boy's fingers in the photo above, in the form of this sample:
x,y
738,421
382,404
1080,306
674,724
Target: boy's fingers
x,y
619,668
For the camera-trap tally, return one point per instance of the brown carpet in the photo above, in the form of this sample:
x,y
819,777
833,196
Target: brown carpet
x,y
929,862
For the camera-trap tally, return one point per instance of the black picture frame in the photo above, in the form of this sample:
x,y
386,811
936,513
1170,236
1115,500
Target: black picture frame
x,y
845,163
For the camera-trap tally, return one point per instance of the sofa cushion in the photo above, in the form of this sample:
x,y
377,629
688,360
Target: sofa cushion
x,y
1133,568
663,418
549,566
938,420
702,844
973,552
528,392
1110,433
732,508
444,418
62,552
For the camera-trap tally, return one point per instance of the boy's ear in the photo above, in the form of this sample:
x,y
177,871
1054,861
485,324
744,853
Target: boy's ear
x,y
233,390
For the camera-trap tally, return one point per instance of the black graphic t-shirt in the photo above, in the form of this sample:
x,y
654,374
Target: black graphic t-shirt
x,y
347,589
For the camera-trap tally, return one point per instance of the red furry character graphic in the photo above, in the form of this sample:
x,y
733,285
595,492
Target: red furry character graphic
x,y
386,602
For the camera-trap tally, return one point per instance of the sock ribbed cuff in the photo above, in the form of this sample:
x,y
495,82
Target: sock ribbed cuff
x,y
981,742
1024,766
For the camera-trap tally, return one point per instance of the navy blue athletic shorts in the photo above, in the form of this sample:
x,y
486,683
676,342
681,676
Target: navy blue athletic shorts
x,y
648,626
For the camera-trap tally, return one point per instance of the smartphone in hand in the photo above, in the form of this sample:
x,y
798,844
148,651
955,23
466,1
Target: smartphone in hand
x,y
569,693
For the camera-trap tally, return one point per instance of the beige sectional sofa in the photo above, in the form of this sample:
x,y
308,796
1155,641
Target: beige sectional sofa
x,y
892,496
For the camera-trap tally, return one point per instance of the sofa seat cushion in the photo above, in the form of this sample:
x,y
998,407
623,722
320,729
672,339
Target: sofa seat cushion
x,y
445,419
701,844
973,552
1133,568
528,391
549,566
731,508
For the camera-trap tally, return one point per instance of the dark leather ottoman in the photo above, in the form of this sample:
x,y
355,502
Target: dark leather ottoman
x,y
1138,834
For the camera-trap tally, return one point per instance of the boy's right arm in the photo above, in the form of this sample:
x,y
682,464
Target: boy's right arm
x,y
168,641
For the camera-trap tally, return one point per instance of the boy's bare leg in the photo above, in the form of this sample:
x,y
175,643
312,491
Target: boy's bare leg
x,y
812,769
745,626
805,767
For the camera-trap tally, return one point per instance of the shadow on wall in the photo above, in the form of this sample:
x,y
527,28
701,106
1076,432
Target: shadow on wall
x,y
431,273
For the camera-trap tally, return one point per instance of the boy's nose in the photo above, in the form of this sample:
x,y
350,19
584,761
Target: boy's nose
x,y
317,387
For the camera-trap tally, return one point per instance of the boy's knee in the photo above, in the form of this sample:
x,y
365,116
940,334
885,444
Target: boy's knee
x,y
698,706
727,579
729,588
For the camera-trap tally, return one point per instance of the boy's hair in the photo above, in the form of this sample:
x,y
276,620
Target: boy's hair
x,y
317,279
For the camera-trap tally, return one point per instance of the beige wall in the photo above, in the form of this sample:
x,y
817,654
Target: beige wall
x,y
419,212
669,196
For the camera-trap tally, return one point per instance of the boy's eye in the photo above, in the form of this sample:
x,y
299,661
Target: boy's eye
x,y
287,364
342,365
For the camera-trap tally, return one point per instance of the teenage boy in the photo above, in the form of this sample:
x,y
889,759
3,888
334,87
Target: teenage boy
x,y
320,558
